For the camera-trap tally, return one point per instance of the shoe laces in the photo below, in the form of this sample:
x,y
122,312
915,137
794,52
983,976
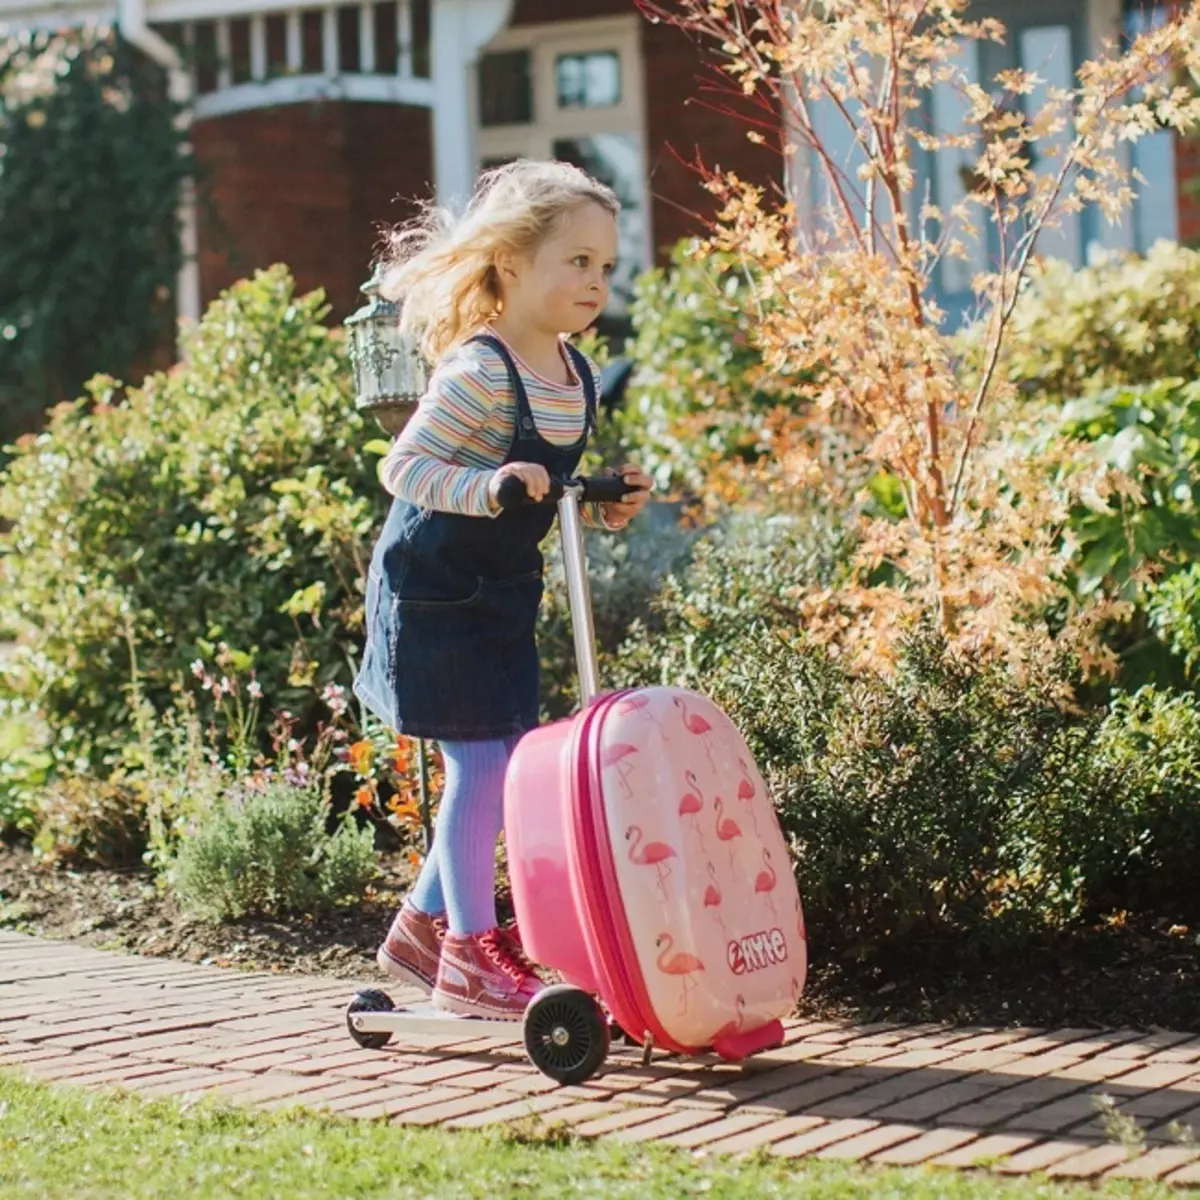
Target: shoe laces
x,y
504,955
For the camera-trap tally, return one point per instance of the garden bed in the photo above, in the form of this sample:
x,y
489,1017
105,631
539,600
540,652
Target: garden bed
x,y
1135,975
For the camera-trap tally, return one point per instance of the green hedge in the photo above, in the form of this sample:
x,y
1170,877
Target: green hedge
x,y
229,500
1126,320
946,800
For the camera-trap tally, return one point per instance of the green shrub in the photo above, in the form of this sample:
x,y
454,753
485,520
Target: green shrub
x,y
1124,321
1122,828
230,500
25,763
948,799
84,820
1174,608
89,229
1151,435
698,395
264,850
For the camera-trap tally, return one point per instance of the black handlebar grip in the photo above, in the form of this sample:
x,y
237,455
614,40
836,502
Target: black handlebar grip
x,y
597,489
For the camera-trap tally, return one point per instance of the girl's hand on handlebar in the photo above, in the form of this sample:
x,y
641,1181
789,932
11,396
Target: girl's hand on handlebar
x,y
617,514
535,478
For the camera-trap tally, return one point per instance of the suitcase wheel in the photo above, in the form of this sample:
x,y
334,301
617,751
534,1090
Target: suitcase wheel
x,y
566,1034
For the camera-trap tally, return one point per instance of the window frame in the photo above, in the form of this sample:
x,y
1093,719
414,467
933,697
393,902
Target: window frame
x,y
550,123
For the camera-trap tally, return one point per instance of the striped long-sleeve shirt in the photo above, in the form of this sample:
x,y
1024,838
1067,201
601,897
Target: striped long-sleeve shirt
x,y
446,455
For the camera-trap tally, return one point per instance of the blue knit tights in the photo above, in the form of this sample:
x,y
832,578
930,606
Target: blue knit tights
x,y
459,876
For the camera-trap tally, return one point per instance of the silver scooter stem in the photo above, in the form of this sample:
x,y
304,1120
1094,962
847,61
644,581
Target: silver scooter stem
x,y
579,594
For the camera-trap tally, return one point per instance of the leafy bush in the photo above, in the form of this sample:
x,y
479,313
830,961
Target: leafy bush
x,y
89,238
230,500
1124,321
950,798
698,394
1122,827
1151,436
95,821
264,850
1174,608
25,762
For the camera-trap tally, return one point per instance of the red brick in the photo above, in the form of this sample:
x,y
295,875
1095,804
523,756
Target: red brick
x,y
770,1129
385,1105
671,1121
921,1149
316,1092
866,1144
716,1130
1088,1164
1189,1175
825,1134
1156,1075
982,1150
618,1120
1157,1163
483,1111
1038,1158
117,1072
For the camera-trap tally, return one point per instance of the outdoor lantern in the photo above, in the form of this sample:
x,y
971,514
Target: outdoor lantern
x,y
389,372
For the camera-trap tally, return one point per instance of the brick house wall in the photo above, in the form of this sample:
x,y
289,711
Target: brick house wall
x,y
308,185
679,125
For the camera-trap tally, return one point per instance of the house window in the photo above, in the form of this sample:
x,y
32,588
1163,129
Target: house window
x,y
1156,210
589,80
572,91
505,88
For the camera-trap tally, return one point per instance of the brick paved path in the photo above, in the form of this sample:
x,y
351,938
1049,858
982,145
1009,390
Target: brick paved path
x,y
1021,1099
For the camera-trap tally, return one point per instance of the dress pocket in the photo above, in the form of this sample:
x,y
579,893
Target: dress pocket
x,y
443,599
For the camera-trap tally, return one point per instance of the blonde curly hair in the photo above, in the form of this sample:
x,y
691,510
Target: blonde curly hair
x,y
442,268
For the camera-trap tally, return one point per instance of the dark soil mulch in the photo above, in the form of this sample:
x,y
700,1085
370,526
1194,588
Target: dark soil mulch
x,y
1136,975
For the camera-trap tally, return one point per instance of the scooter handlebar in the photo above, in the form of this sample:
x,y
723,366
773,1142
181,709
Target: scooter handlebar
x,y
590,489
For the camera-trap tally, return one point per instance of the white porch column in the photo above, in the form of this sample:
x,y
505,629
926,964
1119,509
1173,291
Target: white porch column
x,y
461,28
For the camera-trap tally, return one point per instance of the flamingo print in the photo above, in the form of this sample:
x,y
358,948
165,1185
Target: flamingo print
x,y
680,963
747,792
691,804
618,755
765,883
640,702
652,854
713,898
734,1026
727,829
696,724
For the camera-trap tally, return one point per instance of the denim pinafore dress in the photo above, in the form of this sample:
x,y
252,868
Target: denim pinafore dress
x,y
452,600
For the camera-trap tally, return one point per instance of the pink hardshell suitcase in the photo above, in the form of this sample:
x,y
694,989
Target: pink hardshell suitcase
x,y
647,865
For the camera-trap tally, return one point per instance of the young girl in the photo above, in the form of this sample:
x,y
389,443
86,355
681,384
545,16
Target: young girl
x,y
455,582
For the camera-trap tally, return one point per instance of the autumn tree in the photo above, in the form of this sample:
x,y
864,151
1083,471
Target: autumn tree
x,y
848,310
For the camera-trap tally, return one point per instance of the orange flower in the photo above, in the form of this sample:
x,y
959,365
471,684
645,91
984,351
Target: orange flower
x,y
405,808
365,796
361,754
415,858
402,755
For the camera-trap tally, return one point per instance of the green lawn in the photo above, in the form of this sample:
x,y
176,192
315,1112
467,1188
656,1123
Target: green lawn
x,y
63,1142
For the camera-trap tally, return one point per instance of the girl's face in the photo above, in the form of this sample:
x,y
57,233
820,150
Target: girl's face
x,y
562,285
